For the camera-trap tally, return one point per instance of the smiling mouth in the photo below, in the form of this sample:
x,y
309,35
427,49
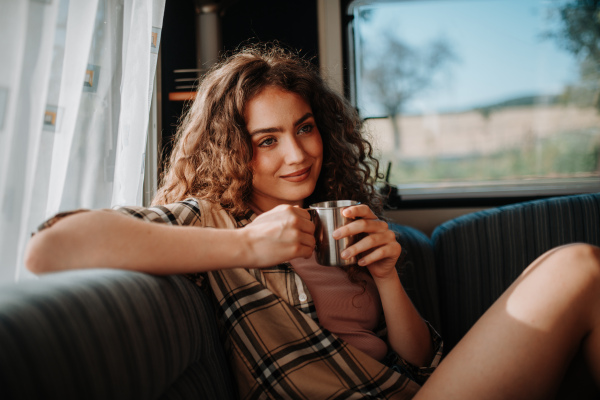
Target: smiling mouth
x,y
297,176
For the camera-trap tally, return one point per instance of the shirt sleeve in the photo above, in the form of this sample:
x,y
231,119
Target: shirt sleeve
x,y
182,213
413,372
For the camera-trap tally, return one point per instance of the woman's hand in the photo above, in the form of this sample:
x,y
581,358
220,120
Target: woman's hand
x,y
281,234
378,250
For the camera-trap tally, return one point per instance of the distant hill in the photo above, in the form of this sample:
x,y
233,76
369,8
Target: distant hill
x,y
519,102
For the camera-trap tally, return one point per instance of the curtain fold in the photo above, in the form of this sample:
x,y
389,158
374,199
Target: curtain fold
x,y
75,79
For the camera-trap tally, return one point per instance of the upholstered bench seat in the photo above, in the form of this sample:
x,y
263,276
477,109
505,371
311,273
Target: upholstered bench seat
x,y
106,334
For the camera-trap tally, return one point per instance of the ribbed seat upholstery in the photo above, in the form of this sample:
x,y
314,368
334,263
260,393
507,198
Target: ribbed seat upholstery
x,y
110,334
106,334
480,254
417,272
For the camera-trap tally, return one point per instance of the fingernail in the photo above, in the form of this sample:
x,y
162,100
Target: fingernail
x,y
362,262
345,254
335,234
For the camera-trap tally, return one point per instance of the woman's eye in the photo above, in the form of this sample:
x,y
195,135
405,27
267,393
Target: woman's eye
x,y
305,129
267,142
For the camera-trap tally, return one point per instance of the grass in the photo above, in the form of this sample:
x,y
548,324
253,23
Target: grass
x,y
563,155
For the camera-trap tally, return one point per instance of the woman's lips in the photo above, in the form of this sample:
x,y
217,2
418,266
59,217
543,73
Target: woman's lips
x,y
297,176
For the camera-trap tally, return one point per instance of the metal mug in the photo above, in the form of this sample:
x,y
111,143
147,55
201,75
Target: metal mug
x,y
327,217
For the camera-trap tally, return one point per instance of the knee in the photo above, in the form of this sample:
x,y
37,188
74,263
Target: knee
x,y
580,261
564,281
580,253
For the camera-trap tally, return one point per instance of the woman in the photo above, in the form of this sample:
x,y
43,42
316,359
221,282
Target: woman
x,y
265,138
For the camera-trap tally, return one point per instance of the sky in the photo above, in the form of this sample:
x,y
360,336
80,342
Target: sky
x,y
498,43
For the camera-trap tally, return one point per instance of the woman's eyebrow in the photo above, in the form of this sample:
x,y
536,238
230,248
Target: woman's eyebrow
x,y
278,129
303,118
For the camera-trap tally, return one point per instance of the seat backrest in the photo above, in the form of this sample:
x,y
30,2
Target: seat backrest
x,y
109,334
480,254
417,272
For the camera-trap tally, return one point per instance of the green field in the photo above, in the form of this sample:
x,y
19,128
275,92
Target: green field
x,y
562,155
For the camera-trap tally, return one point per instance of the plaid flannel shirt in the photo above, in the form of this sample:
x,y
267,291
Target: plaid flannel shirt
x,y
274,343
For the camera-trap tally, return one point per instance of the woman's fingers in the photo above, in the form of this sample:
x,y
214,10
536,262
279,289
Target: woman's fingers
x,y
365,222
281,234
288,217
360,211
372,242
377,249
389,251
361,226
306,229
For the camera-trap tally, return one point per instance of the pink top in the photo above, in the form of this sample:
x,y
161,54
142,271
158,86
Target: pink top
x,y
342,307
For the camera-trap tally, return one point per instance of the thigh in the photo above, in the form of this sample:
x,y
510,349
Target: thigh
x,y
521,347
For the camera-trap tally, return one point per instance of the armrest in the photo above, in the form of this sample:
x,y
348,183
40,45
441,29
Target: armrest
x,y
104,334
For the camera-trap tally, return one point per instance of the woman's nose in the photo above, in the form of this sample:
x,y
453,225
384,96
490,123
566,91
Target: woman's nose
x,y
294,152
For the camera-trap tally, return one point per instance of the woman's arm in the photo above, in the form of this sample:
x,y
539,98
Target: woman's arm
x,y
408,335
107,239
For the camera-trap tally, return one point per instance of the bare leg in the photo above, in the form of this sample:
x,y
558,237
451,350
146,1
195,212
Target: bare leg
x,y
522,346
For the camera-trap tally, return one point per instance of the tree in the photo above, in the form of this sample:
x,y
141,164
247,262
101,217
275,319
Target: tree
x,y
401,72
579,33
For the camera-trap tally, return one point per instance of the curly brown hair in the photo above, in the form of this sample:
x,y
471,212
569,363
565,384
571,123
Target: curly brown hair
x,y
212,156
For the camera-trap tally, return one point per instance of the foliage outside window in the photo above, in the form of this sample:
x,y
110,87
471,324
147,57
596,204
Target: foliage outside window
x,y
468,92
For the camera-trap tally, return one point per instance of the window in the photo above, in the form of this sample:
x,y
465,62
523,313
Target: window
x,y
471,98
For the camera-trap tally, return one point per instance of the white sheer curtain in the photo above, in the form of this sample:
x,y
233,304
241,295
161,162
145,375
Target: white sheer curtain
x,y
75,84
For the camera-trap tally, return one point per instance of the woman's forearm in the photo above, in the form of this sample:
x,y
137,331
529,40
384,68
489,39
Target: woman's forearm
x,y
408,334
104,239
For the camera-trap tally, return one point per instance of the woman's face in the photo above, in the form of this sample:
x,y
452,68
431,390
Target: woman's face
x,y
287,148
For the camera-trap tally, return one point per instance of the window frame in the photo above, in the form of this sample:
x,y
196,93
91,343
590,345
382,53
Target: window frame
x,y
457,194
